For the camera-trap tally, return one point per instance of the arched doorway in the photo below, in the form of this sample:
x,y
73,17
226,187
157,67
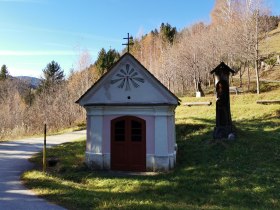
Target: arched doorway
x,y
128,144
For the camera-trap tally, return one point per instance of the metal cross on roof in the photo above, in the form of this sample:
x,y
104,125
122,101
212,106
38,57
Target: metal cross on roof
x,y
128,41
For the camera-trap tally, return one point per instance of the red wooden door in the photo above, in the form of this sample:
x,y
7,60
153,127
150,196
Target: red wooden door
x,y
128,144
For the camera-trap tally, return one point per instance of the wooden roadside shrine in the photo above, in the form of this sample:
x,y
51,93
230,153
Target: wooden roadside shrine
x,y
223,127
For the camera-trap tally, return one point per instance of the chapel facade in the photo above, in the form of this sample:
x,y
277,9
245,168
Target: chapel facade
x,y
130,120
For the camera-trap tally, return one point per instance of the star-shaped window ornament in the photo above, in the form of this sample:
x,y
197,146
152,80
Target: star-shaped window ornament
x,y
125,79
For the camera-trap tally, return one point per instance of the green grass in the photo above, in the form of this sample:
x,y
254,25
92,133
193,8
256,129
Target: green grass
x,y
209,175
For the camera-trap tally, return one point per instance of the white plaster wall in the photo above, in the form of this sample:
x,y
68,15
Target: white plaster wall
x,y
160,158
94,134
171,134
161,136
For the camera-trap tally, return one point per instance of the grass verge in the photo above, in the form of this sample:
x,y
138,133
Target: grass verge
x,y
209,175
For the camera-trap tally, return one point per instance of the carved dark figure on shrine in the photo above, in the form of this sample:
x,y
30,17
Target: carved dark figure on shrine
x,y
223,117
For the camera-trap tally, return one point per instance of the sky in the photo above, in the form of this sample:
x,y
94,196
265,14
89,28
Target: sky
x,y
35,32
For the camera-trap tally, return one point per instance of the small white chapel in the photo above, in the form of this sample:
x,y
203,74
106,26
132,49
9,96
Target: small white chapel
x,y
130,120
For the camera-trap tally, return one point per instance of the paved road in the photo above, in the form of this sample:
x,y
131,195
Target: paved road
x,y
14,161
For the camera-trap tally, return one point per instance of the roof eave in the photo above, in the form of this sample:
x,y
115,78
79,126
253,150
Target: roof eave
x,y
130,104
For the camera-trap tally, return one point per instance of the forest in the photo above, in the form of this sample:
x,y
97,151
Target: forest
x,y
181,60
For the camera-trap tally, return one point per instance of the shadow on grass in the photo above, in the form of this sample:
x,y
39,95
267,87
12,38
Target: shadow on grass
x,y
243,175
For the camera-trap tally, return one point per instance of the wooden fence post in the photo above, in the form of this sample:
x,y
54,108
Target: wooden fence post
x,y
44,148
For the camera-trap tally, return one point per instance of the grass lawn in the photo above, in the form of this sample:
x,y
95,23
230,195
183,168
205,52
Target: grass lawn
x,y
244,174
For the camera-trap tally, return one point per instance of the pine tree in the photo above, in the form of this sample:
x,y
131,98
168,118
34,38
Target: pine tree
x,y
112,56
105,60
52,75
101,62
168,32
4,72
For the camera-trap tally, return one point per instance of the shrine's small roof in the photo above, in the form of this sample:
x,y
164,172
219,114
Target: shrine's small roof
x,y
224,67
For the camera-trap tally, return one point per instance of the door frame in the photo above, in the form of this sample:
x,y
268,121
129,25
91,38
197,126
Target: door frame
x,y
129,148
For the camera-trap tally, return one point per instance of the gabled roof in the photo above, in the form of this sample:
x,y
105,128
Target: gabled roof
x,y
167,96
224,67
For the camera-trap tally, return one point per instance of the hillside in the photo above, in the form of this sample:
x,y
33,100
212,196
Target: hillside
x,y
31,81
271,43
270,46
272,74
269,49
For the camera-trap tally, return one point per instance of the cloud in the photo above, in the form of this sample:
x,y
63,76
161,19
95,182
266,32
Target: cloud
x,y
35,53
55,44
8,27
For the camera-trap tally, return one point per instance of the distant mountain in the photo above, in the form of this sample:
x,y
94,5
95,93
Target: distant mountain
x,y
32,81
